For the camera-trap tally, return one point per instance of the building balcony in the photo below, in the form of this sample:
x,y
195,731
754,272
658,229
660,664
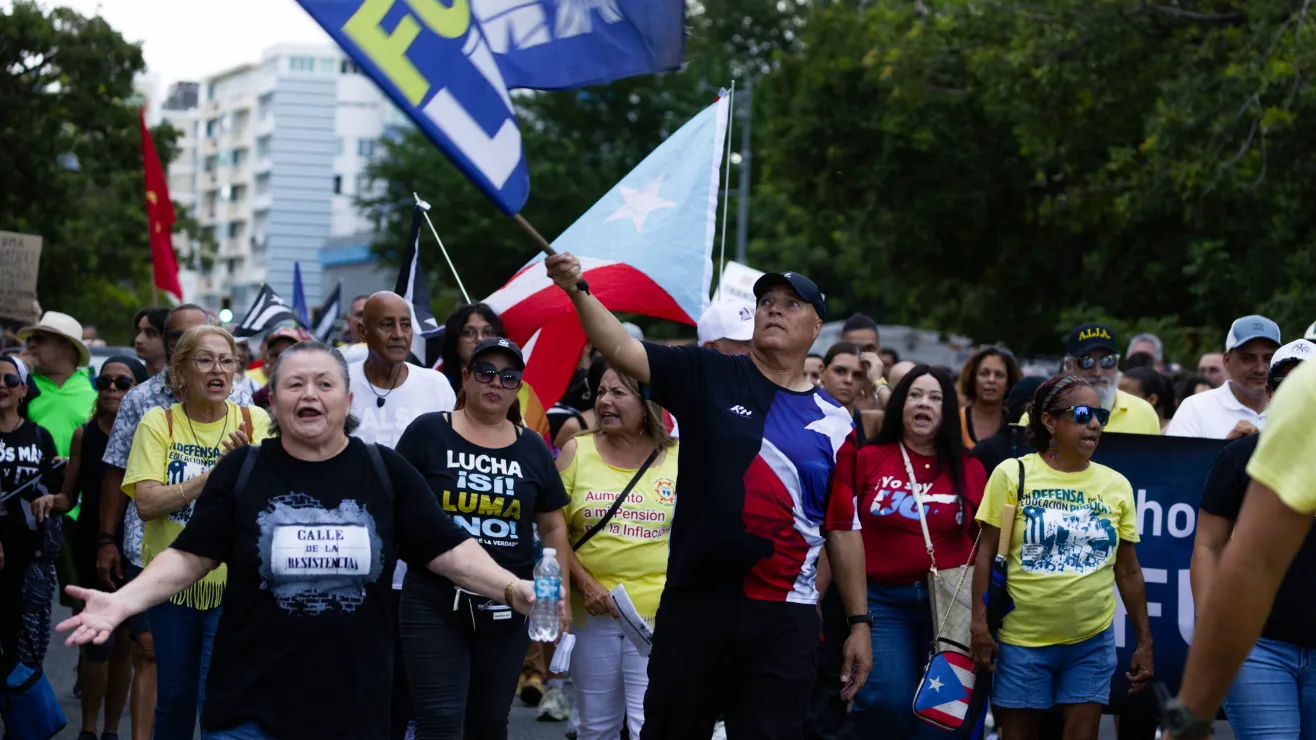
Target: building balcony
x,y
239,174
262,201
211,109
209,146
209,180
233,249
263,164
236,212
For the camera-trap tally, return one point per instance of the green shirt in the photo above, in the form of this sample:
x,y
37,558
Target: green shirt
x,y
62,410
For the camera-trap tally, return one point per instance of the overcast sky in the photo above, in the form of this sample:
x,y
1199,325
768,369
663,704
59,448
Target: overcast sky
x,y
189,39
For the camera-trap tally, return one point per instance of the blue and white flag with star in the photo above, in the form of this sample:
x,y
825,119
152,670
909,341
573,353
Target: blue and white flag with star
x,y
450,64
645,247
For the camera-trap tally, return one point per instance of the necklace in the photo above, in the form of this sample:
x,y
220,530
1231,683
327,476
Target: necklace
x,y
379,400
222,434
17,423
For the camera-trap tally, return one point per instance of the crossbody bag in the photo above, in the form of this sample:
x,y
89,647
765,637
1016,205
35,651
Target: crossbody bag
x,y
621,499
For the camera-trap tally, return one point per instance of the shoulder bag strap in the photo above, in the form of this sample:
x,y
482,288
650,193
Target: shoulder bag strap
x,y
1019,495
621,498
169,419
918,504
377,461
248,464
247,427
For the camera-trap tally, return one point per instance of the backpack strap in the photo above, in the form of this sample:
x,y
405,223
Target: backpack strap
x,y
381,472
169,419
248,464
247,428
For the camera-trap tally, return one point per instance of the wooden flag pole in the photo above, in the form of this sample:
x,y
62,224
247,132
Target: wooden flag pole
x,y
543,244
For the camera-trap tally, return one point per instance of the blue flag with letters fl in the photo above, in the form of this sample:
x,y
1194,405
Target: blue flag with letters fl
x,y
449,65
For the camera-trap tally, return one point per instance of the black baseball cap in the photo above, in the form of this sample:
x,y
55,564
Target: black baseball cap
x,y
803,287
500,344
1087,337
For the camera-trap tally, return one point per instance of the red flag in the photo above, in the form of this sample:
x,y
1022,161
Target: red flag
x,y
160,217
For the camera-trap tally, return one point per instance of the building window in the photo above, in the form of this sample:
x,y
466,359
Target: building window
x,y
235,229
263,146
212,127
327,66
365,148
338,184
301,64
349,67
339,144
362,184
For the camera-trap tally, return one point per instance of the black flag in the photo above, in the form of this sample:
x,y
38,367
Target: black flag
x,y
411,285
329,314
266,312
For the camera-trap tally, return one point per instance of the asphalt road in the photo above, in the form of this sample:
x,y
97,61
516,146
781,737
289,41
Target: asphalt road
x,y
61,663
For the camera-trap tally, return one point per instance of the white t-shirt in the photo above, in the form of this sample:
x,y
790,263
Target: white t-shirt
x,y
422,392
1212,415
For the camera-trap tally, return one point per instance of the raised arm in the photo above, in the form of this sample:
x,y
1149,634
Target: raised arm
x,y
169,573
602,329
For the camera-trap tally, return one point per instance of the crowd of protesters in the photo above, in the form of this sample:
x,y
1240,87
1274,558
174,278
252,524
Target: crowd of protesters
x,y
824,495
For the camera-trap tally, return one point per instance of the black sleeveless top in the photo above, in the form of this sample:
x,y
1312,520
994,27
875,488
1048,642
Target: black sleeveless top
x,y
90,475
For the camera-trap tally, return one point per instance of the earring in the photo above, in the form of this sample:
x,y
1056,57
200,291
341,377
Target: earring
x,y
1052,451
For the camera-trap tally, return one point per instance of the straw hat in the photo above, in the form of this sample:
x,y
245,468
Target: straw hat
x,y
61,325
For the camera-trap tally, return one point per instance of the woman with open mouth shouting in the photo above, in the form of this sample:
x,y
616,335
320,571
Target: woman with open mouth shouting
x,y
497,481
310,525
173,453
917,489
1074,531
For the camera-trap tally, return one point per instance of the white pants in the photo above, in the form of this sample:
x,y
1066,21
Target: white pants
x,y
610,679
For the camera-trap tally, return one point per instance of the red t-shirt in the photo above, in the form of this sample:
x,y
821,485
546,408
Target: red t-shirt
x,y
893,537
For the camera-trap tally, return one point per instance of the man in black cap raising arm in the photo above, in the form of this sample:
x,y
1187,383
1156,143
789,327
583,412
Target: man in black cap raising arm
x,y
737,627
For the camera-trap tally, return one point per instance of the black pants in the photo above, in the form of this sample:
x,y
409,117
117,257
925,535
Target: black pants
x,y
462,677
400,709
829,714
751,662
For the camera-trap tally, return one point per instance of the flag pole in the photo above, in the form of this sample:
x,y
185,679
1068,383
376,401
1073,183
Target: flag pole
x,y
539,241
425,210
726,188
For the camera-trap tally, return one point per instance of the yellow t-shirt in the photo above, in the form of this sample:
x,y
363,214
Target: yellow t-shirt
x,y
1131,415
1285,460
194,448
1062,550
632,549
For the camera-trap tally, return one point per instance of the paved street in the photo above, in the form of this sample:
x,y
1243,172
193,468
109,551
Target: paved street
x,y
523,725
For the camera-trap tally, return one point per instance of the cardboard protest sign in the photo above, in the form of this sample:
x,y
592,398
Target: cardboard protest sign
x,y
20,259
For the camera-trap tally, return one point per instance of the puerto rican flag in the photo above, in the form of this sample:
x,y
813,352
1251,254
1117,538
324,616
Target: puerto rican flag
x,y
943,699
645,248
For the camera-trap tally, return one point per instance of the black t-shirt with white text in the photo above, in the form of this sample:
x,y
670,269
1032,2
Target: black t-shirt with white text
x,y
305,642
27,452
1294,612
494,494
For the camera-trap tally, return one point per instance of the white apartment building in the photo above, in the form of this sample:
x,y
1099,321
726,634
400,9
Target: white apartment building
x,y
283,147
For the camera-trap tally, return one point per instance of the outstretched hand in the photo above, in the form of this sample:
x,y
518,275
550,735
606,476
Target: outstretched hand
x,y
101,614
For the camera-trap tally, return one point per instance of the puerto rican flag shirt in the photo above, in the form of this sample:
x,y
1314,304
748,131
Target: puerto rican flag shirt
x,y
755,469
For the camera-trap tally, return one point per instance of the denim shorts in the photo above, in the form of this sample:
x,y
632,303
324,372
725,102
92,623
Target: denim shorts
x,y
1042,677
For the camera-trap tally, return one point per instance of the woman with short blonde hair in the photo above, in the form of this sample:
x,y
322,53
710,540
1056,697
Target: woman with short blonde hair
x,y
630,457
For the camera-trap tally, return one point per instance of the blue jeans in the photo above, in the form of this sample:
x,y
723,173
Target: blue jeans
x,y
902,633
245,731
183,640
1274,693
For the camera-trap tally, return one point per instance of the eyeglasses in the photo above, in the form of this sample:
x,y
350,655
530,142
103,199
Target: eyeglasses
x,y
1087,362
205,363
1083,414
485,372
11,380
472,333
123,383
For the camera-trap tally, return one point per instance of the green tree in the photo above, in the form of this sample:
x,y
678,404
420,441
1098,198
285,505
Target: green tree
x,y
70,149
1004,169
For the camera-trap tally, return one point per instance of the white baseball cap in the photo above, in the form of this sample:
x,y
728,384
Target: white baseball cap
x,y
726,321
1298,349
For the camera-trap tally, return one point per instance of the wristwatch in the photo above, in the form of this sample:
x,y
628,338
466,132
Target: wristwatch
x,y
860,619
1179,720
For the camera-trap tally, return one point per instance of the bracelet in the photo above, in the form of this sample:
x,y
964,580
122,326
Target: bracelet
x,y
507,593
180,495
106,537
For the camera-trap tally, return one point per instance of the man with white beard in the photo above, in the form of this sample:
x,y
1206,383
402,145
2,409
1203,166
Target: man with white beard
x,y
1091,353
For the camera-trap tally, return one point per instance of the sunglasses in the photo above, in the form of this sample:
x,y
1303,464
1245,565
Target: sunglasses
x,y
485,372
1087,362
123,383
1083,414
11,380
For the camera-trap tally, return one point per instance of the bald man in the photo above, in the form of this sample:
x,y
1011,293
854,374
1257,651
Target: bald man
x,y
898,371
387,393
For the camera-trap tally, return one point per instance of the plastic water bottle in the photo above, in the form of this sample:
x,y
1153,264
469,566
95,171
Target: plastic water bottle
x,y
548,589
